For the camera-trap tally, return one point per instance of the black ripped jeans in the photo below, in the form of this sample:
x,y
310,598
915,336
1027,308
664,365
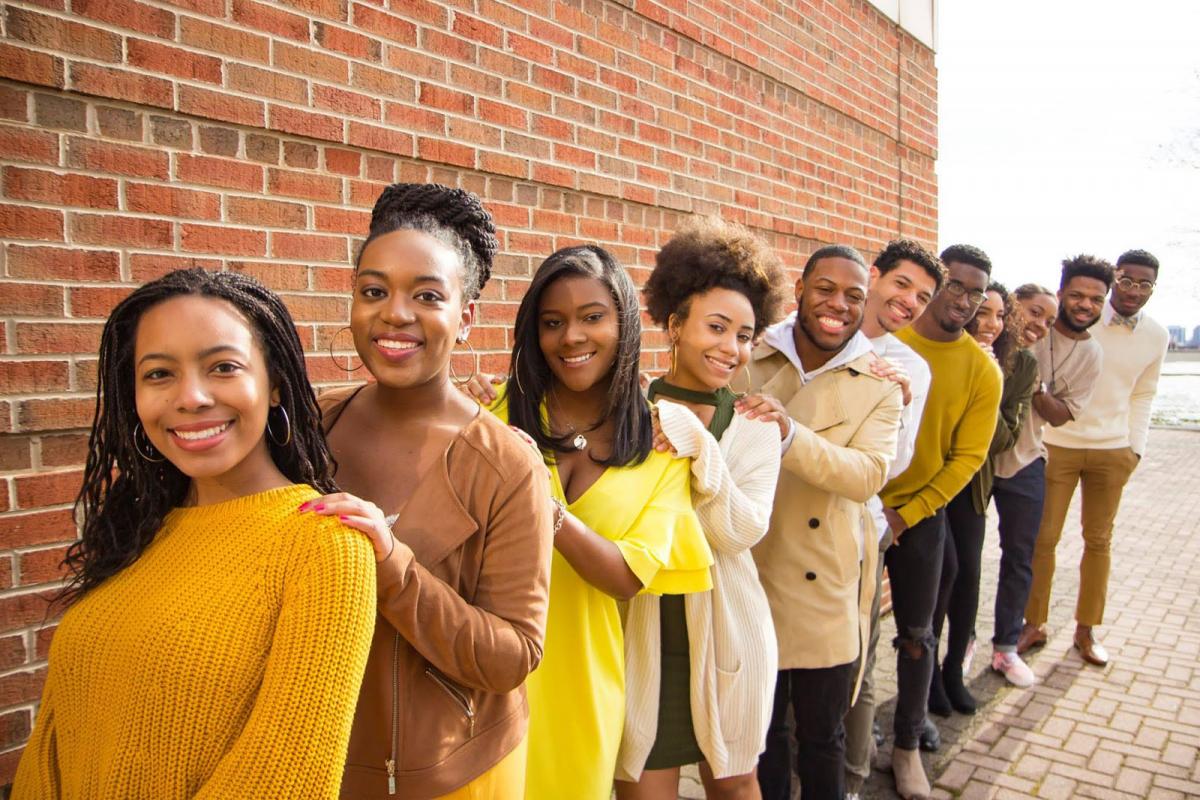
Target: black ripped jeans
x,y
915,568
958,595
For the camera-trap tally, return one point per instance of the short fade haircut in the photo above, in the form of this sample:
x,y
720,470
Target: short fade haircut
x,y
834,251
899,250
968,254
1141,258
1086,266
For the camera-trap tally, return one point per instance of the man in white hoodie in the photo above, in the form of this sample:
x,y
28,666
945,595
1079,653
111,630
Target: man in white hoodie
x,y
904,278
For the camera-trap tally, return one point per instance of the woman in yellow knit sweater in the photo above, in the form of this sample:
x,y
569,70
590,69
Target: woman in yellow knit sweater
x,y
216,637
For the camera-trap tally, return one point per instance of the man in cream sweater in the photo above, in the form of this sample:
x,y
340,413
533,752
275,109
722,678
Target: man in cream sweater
x,y
1099,449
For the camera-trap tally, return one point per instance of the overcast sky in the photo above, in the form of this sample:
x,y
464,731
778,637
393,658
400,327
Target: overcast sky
x,y
1071,126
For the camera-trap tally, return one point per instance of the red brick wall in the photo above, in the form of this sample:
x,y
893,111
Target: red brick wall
x,y
137,137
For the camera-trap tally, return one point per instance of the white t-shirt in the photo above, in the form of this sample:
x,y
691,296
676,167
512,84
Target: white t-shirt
x,y
891,348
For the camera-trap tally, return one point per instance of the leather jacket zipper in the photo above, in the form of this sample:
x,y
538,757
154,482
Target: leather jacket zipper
x,y
390,764
457,695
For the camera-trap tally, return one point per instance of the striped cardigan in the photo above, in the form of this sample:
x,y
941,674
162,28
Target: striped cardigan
x,y
731,635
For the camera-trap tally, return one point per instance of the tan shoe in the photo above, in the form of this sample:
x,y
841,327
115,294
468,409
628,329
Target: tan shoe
x,y
1031,636
911,783
1089,649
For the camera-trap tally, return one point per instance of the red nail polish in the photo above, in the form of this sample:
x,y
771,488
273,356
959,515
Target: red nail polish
x,y
304,505
342,517
319,507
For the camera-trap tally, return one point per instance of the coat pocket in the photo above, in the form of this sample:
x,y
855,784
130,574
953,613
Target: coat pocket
x,y
843,547
730,703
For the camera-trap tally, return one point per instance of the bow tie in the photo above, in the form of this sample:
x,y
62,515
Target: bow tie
x,y
1128,322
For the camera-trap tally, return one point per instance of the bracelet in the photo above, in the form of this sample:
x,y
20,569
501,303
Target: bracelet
x,y
560,516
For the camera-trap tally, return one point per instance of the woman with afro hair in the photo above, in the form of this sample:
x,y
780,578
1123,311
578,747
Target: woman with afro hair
x,y
701,667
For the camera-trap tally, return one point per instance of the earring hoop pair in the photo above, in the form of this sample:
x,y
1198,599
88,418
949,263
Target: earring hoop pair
x,y
745,369
146,449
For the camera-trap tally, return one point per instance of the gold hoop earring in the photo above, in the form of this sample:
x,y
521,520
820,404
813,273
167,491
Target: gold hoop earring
x,y
147,447
346,366
516,369
474,365
287,424
671,368
749,383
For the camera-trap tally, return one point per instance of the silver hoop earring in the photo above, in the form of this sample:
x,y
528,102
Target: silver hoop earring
x,y
286,421
344,366
474,365
144,447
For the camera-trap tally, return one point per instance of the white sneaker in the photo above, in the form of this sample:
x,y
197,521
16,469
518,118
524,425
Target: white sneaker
x,y
1016,671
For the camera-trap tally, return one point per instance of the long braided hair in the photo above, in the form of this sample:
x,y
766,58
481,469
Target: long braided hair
x,y
454,217
125,497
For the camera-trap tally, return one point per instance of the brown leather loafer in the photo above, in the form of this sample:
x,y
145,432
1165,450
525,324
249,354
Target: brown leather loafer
x,y
1089,649
1031,636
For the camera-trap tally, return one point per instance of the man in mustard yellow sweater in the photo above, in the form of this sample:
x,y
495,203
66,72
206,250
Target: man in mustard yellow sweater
x,y
952,442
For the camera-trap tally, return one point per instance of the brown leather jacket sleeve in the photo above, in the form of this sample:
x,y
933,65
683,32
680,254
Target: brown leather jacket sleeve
x,y
496,642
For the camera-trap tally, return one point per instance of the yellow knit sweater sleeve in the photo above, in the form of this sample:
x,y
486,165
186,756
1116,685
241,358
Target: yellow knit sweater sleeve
x,y
305,707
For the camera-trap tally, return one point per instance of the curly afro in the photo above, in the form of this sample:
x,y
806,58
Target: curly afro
x,y
709,253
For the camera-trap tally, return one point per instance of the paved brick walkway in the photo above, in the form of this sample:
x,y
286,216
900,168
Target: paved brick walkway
x,y
1131,730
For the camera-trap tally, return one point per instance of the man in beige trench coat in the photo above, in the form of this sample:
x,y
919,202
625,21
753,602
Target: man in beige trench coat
x,y
839,423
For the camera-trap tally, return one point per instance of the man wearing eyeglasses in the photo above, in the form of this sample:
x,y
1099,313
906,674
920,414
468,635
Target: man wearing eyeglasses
x,y
952,441
1100,448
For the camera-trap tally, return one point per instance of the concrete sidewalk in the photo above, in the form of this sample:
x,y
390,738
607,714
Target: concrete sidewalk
x,y
1131,730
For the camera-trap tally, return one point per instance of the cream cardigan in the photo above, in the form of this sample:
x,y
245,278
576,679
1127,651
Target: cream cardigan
x,y
730,632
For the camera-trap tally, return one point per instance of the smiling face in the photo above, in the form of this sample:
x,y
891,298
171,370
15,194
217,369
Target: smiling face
x,y
1037,315
952,308
408,310
1080,302
203,391
578,331
714,341
989,319
899,296
831,302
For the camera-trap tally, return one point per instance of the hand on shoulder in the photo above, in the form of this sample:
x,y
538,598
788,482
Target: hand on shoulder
x,y
359,514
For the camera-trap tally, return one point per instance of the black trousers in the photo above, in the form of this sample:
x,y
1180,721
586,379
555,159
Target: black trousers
x,y
958,592
819,699
914,567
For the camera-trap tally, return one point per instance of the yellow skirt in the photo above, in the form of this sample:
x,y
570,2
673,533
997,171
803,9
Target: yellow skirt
x,y
505,781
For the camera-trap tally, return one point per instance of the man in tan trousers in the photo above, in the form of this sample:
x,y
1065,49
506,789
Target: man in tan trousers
x,y
839,423
1099,450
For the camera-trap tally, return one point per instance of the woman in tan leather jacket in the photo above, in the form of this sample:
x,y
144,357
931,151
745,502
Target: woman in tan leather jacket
x,y
458,510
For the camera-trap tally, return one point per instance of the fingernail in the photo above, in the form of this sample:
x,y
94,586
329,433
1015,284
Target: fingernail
x,y
304,505
342,517
319,507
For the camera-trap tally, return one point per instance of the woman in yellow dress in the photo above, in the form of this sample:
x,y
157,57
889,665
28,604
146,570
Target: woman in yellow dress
x,y
624,521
